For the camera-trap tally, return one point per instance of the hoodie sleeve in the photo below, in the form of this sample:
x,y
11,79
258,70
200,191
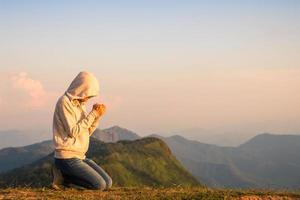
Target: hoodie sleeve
x,y
71,126
94,125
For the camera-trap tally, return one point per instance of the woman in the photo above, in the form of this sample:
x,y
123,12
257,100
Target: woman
x,y
72,127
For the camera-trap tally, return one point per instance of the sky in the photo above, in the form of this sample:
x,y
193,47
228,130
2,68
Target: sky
x,y
223,66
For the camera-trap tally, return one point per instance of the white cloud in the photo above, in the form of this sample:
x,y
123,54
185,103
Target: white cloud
x,y
33,89
24,100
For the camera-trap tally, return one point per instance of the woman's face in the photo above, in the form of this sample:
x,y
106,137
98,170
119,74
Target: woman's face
x,y
84,100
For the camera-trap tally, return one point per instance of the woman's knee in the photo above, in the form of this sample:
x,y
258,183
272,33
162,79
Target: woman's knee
x,y
108,183
100,184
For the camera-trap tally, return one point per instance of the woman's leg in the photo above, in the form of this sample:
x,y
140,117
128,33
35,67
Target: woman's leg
x,y
78,172
101,171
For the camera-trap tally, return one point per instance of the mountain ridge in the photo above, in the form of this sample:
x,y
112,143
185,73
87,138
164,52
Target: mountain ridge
x,y
250,165
143,162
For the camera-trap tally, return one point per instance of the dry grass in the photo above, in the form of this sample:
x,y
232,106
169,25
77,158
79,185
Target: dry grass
x,y
146,193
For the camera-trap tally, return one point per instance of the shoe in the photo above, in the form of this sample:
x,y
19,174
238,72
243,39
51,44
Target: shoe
x,y
58,179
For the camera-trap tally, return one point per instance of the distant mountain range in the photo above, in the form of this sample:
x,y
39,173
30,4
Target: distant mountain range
x,y
114,134
17,138
143,162
14,157
265,161
213,137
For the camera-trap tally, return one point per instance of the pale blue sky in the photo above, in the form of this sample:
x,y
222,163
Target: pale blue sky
x,y
151,53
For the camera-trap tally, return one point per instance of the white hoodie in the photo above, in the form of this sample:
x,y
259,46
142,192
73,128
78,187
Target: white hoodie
x,y
72,125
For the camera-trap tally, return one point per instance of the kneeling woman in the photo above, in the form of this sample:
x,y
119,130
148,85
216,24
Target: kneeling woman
x,y
72,128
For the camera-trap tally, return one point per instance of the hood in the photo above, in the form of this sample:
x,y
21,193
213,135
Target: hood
x,y
85,84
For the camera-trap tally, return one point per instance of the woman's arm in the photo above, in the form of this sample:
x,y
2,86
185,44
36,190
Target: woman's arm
x,y
72,127
101,109
94,125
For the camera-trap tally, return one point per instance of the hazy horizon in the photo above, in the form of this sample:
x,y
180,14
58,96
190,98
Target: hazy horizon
x,y
229,68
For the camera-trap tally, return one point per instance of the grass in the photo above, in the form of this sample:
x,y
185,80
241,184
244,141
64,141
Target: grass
x,y
146,193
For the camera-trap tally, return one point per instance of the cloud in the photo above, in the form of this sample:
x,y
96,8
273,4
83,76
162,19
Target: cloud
x,y
24,100
33,89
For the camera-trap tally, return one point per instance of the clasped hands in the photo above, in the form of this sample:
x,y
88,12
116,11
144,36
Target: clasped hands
x,y
99,108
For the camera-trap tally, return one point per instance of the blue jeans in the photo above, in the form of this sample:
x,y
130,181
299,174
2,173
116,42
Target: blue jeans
x,y
85,173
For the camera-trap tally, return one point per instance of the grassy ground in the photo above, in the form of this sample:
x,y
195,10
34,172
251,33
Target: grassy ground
x,y
146,193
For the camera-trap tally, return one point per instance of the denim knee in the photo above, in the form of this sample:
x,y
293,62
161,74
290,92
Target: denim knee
x,y
109,183
99,185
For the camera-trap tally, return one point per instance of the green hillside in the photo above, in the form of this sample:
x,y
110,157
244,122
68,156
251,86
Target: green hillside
x,y
143,162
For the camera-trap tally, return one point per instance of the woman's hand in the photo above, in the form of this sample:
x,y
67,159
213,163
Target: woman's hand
x,y
100,108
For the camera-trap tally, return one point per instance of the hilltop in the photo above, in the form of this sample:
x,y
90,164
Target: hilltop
x,y
143,162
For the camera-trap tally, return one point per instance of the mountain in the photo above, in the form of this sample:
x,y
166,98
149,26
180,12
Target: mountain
x,y
209,163
114,134
17,138
216,137
142,162
270,160
14,157
265,161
